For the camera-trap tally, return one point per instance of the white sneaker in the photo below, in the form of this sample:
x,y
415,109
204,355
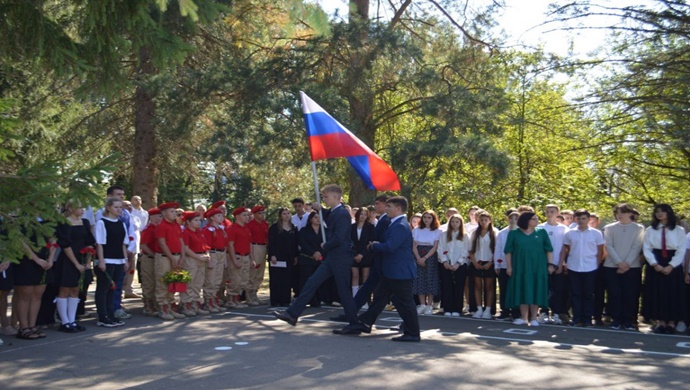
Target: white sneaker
x,y
681,327
455,314
478,313
487,314
447,314
121,314
466,309
420,309
519,321
436,305
428,310
556,319
534,323
543,318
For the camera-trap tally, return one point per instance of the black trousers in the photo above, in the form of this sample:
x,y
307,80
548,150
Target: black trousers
x,y
452,288
339,267
400,291
279,281
582,288
624,294
105,304
558,293
600,287
503,279
370,285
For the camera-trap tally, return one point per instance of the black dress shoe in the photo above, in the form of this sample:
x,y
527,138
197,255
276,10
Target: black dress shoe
x,y
285,316
346,331
340,318
407,338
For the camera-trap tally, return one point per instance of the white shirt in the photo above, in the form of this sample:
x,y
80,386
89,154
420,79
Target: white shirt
x,y
426,236
556,235
455,251
300,222
675,240
101,236
499,254
143,216
583,249
483,250
130,227
470,227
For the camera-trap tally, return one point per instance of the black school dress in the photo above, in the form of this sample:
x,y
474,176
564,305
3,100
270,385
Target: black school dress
x,y
76,237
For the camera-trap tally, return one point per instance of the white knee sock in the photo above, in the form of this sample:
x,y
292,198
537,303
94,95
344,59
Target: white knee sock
x,y
61,304
73,304
354,290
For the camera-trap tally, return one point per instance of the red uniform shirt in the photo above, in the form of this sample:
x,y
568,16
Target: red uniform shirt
x,y
195,240
226,223
259,231
148,237
171,232
242,237
216,238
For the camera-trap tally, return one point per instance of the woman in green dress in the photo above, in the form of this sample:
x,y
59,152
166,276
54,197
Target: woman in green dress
x,y
528,252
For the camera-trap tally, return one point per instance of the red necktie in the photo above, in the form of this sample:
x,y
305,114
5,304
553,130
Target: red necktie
x,y
664,252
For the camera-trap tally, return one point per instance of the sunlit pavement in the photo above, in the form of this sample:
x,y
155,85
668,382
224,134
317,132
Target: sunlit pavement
x,y
249,348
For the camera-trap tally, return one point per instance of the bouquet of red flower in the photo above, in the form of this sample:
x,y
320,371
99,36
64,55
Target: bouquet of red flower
x,y
177,280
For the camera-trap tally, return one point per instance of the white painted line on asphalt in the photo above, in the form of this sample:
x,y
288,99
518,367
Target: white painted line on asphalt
x,y
525,332
223,348
589,347
391,319
241,343
683,345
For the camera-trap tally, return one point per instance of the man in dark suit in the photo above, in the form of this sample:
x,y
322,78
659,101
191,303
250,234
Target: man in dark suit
x,y
338,254
398,270
369,285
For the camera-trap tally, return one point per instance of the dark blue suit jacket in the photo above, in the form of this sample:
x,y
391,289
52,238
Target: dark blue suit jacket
x,y
397,260
381,227
338,227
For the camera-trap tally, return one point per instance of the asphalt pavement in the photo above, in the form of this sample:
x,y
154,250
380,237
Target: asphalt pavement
x,y
248,348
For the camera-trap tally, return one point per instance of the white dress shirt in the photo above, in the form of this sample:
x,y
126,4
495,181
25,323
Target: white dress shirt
x,y
455,251
583,249
675,240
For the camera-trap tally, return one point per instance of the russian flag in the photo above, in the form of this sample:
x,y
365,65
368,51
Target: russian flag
x,y
329,139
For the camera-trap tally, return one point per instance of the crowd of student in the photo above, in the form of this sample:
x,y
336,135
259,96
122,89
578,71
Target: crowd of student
x,y
563,269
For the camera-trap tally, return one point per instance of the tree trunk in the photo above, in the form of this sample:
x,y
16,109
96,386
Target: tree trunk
x,y
360,97
144,164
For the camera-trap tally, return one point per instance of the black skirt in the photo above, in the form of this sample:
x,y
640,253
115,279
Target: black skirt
x,y
663,294
7,279
28,273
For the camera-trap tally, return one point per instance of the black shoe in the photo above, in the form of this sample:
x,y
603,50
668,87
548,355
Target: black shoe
x,y
67,328
407,338
346,331
340,318
670,329
285,316
78,327
599,322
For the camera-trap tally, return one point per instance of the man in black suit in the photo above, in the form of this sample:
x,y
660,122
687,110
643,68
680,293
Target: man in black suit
x,y
398,270
369,285
338,255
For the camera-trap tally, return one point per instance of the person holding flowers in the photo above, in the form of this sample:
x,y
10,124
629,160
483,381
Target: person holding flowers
x,y
76,241
111,249
169,239
196,251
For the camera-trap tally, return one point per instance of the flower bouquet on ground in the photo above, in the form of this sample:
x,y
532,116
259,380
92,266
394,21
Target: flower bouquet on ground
x,y
177,280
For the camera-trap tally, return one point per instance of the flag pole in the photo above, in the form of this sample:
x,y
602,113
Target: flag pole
x,y
318,200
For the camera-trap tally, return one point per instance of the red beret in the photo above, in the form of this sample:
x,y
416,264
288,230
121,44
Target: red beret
x,y
239,210
218,204
188,215
258,208
154,211
168,205
211,212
